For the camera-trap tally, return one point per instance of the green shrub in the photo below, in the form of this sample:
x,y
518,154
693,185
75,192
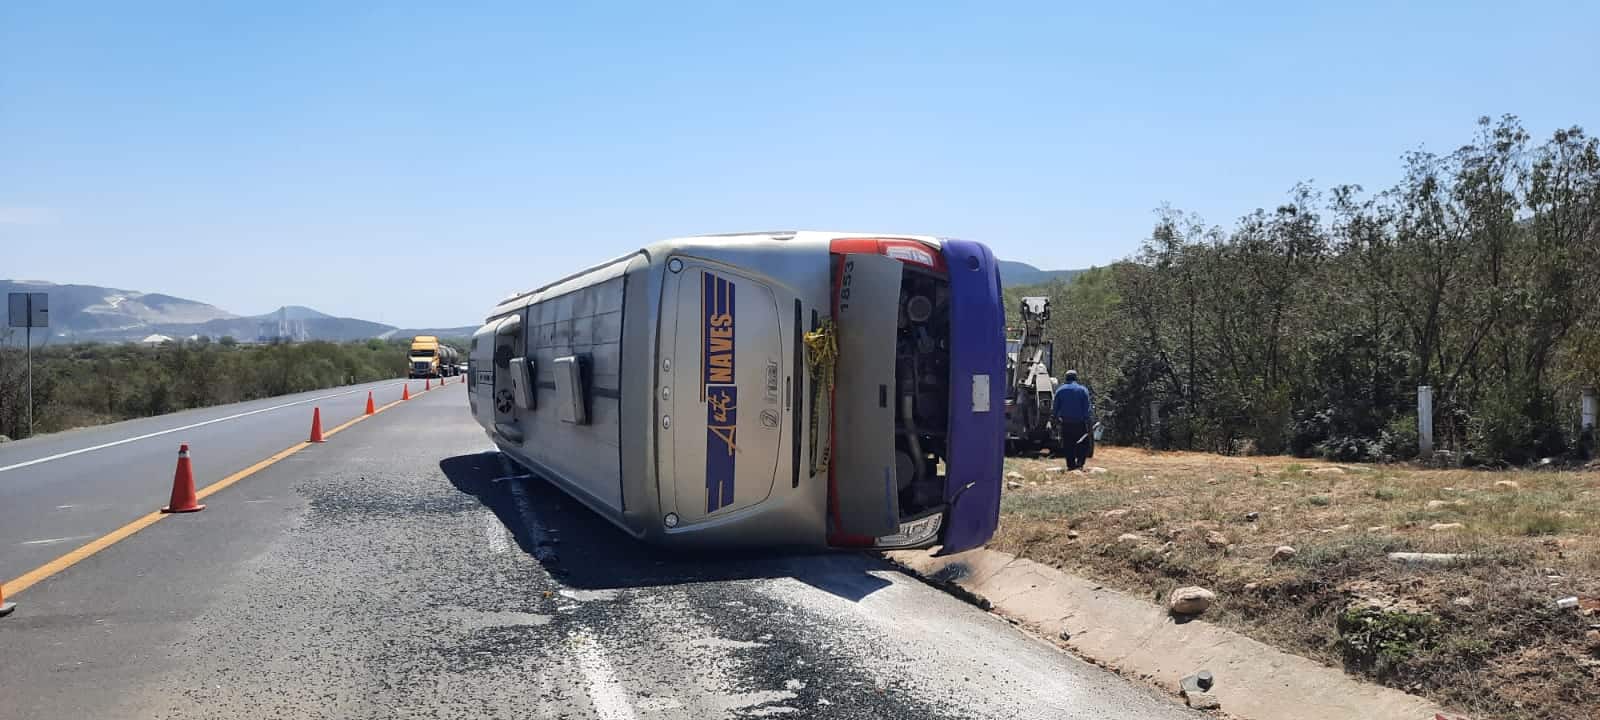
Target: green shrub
x,y
1399,439
1378,641
1386,493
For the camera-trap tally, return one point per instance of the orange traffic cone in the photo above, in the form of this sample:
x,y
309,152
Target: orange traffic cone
x,y
316,425
5,607
370,408
427,383
406,393
183,499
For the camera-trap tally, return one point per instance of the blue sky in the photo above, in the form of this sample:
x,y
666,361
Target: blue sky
x,y
411,164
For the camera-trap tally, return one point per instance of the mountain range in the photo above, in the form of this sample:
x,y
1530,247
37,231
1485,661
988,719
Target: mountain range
x,y
80,313
1018,274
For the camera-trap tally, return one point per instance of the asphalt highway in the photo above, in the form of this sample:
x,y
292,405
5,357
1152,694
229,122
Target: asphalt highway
x,y
59,491
403,570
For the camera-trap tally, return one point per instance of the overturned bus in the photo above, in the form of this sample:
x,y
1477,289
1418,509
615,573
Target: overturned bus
x,y
778,389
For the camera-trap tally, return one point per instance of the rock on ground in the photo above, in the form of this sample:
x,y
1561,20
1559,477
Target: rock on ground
x,y
1284,552
1442,527
1416,558
1191,600
1202,700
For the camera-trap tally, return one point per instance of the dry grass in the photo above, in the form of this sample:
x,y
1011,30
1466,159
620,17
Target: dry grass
x,y
1509,654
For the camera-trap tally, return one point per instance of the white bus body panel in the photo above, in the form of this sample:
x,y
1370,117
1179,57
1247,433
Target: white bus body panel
x,y
651,446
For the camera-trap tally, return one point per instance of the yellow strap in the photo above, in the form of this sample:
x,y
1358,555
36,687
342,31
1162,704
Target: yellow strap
x,y
822,352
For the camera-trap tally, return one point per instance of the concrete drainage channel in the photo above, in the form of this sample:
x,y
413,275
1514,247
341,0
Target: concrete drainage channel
x,y
1244,679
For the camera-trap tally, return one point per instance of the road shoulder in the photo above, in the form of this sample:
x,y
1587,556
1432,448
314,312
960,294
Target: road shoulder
x,y
1137,638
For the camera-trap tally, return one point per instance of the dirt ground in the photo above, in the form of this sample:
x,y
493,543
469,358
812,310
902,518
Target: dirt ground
x,y
1298,554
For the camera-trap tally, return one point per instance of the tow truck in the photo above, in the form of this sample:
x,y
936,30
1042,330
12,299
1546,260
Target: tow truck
x,y
1031,389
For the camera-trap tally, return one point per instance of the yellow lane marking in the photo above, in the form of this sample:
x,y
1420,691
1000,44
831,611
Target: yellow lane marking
x,y
334,431
224,483
34,576
77,556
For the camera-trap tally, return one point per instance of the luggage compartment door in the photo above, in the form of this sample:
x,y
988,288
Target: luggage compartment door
x,y
867,302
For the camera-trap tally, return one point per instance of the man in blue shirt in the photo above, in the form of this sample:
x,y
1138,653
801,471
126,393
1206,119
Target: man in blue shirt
x,y
1074,416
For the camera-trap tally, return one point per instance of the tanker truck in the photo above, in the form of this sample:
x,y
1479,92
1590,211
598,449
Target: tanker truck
x,y
431,358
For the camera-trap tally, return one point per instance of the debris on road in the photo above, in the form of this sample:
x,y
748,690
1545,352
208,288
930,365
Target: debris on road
x,y
1191,600
1198,682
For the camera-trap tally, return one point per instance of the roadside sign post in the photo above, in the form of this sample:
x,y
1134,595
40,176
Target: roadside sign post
x,y
1425,420
28,311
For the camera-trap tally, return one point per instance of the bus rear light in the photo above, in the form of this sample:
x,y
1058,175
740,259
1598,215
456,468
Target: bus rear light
x,y
907,251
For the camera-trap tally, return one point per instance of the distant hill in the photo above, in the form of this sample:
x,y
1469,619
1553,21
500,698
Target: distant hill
x,y
456,333
1018,274
92,313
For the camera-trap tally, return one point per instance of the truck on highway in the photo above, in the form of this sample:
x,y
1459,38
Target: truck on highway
x,y
430,358
802,389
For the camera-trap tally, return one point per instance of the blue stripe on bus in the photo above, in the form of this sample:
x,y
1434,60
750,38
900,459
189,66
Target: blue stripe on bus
x,y
722,426
717,334
721,394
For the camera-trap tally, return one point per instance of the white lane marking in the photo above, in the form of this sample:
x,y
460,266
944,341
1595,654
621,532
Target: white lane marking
x,y
52,541
496,533
609,699
159,433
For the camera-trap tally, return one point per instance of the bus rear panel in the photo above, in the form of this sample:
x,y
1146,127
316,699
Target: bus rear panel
x,y
777,389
